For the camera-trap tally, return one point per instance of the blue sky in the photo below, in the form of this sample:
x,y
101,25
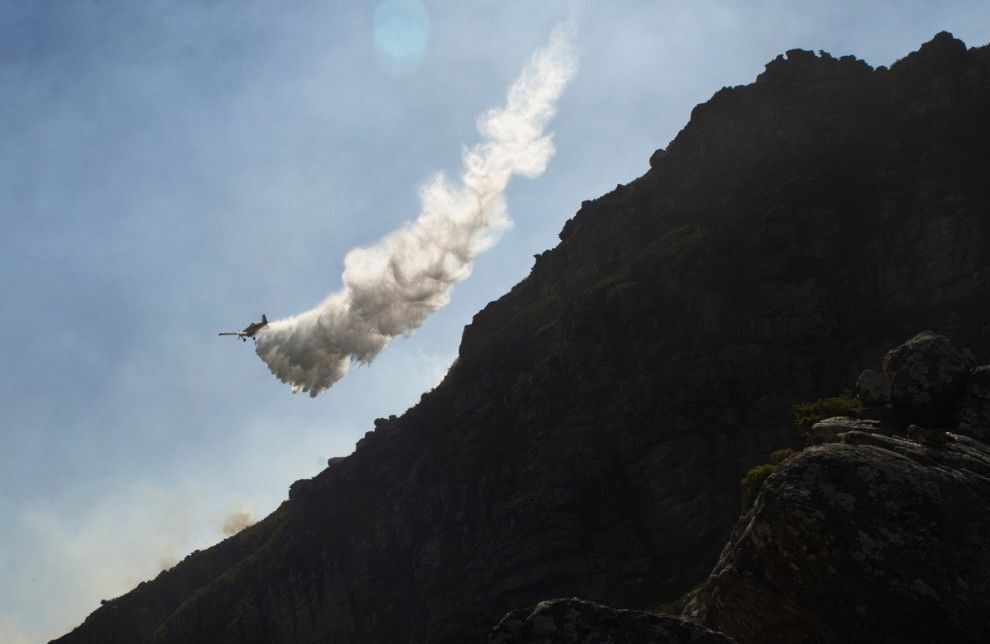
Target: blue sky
x,y
169,170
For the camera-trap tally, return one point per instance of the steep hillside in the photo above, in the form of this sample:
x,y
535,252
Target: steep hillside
x,y
590,438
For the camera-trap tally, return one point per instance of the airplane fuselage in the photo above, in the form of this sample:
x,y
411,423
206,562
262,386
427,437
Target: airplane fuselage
x,y
250,330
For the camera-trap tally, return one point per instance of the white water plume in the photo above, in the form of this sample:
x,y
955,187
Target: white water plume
x,y
390,288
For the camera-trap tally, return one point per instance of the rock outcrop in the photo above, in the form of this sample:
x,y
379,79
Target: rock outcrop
x,y
573,620
873,538
927,383
927,375
590,439
882,535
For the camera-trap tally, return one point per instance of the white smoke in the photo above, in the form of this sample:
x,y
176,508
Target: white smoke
x,y
390,288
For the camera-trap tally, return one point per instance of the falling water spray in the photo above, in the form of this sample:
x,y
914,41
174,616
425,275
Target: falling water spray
x,y
390,288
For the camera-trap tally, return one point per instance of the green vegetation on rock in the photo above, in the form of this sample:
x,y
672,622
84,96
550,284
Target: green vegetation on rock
x,y
807,414
753,481
778,456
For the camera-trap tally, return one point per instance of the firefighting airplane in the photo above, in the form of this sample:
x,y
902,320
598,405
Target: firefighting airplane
x,y
249,330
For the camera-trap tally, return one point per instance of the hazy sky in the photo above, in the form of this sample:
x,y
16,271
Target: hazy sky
x,y
172,169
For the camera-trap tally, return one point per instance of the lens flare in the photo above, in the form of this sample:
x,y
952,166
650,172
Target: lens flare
x,y
402,29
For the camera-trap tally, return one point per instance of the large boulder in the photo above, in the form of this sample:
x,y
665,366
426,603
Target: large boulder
x,y
575,620
870,539
873,388
927,374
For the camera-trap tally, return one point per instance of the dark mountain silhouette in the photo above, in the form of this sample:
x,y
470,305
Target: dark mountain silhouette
x,y
590,438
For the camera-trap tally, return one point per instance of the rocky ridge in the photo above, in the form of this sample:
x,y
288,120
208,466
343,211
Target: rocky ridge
x,y
590,438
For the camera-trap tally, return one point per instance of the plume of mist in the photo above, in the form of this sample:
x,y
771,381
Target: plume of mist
x,y
235,522
390,288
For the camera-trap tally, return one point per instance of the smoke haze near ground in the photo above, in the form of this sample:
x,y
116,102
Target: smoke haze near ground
x,y
236,521
390,288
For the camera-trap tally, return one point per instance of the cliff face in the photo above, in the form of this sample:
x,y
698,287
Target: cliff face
x,y
591,436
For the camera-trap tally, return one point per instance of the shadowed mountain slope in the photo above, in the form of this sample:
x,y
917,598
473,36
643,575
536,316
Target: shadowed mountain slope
x,y
590,438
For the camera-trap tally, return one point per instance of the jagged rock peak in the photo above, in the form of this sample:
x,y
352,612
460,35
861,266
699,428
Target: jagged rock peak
x,y
801,64
944,49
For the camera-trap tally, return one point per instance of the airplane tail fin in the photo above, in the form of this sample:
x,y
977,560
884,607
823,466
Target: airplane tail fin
x,y
264,320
